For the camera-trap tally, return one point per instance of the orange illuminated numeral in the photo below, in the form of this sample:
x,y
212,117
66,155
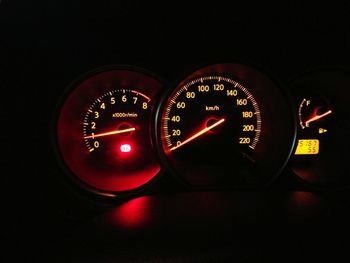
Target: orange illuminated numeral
x,y
190,95
247,114
176,132
219,87
203,88
244,140
231,92
96,144
248,127
241,102
175,118
93,125
181,105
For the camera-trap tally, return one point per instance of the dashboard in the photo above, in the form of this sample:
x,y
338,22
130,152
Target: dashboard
x,y
136,132
224,126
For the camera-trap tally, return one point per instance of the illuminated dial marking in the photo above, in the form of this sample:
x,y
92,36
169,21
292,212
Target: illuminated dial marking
x,y
309,111
109,133
225,125
104,130
114,113
216,98
197,134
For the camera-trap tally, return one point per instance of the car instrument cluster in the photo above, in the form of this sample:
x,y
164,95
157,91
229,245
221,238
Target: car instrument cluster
x,y
222,126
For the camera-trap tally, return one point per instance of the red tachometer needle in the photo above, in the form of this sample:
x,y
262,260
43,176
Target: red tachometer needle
x,y
317,117
201,132
109,133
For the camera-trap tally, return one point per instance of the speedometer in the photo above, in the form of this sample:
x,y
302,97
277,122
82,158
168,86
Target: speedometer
x,y
207,103
226,125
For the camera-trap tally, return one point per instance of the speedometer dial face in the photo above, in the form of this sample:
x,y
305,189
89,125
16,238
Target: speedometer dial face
x,y
104,131
217,126
212,103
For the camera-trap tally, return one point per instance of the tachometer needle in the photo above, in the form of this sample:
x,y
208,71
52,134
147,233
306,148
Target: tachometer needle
x,y
109,133
317,117
201,132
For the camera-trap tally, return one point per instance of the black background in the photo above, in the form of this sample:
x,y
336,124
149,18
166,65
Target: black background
x,y
45,45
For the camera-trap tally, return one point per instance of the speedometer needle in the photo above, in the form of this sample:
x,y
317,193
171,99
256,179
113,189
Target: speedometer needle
x,y
317,117
109,133
201,132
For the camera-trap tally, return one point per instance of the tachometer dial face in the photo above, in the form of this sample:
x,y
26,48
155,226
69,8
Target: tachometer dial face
x,y
113,118
215,127
104,131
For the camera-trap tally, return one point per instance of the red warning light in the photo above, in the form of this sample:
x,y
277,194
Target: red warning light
x,y
125,148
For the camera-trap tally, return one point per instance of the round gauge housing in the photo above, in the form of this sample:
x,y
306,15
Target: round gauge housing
x,y
321,155
226,125
104,131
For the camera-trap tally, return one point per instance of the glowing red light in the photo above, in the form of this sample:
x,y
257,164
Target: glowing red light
x,y
125,148
134,213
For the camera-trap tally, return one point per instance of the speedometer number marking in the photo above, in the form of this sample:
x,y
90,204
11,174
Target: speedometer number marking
x,y
208,99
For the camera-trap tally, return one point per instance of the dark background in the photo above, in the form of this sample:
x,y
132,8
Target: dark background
x,y
45,45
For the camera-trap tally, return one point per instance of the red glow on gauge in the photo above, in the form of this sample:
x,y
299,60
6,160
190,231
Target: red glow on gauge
x,y
125,148
127,151
103,133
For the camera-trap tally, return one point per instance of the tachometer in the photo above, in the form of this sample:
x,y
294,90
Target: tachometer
x,y
226,125
104,131
120,114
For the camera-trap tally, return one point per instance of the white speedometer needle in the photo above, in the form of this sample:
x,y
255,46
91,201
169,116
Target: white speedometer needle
x,y
197,134
109,133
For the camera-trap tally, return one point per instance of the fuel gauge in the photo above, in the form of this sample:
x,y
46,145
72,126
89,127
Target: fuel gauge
x,y
312,111
321,156
315,116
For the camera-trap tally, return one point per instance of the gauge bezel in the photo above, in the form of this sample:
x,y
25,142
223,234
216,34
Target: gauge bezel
x,y
222,70
309,185
69,176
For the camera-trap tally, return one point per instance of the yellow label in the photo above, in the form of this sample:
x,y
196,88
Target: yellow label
x,y
310,146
